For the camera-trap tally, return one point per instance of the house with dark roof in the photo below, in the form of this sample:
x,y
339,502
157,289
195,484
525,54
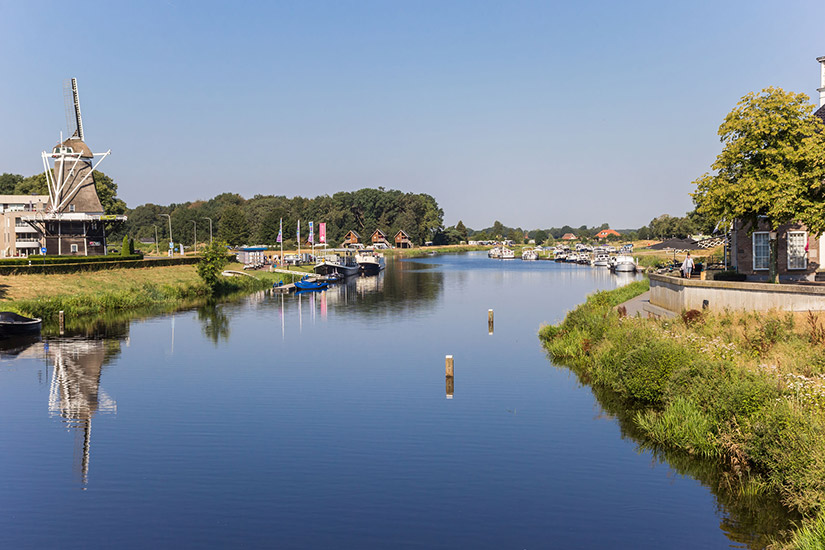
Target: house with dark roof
x,y
402,240
799,253
351,238
378,237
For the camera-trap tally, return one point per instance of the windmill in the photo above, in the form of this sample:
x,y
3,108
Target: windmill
x,y
70,183
73,220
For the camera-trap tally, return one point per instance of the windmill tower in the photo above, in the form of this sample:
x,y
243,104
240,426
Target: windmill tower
x,y
73,221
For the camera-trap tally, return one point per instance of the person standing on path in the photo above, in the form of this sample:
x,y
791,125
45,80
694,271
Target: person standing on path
x,y
687,266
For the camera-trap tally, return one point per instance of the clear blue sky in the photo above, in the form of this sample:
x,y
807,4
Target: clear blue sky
x,y
538,114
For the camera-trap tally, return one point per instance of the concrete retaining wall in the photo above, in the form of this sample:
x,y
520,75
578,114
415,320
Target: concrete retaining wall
x,y
678,294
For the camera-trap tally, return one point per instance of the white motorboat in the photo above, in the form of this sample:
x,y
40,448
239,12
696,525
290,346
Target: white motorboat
x,y
529,254
370,262
624,264
507,254
600,260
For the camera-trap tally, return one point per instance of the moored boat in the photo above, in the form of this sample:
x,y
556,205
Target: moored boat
x,y
623,264
341,262
13,324
370,262
600,260
306,284
529,254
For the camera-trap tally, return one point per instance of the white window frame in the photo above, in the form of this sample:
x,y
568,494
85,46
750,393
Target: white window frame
x,y
753,250
804,252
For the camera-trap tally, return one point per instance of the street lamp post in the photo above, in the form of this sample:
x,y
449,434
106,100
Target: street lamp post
x,y
157,252
195,237
170,231
210,229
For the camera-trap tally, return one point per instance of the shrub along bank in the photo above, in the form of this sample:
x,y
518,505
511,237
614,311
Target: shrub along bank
x,y
747,390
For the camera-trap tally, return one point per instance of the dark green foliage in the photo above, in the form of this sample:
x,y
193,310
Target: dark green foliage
x,y
8,183
234,227
363,211
131,246
50,260
729,275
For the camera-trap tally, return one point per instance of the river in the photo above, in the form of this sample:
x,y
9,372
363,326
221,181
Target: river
x,y
323,421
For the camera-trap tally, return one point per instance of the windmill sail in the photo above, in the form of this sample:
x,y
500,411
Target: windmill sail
x,y
71,99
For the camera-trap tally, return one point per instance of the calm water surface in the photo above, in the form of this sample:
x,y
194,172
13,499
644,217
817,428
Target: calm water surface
x,y
322,421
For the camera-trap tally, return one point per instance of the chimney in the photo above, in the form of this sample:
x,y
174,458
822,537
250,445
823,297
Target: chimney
x,y
821,88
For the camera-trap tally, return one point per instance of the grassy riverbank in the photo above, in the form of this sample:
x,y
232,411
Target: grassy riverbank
x,y
746,390
81,294
426,250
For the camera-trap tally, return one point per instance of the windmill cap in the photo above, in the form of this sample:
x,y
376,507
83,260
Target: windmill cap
x,y
77,146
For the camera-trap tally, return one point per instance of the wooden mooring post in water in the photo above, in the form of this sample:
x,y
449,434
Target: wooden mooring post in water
x,y
60,320
448,369
489,321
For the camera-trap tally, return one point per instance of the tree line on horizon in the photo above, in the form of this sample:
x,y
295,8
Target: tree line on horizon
x,y
240,221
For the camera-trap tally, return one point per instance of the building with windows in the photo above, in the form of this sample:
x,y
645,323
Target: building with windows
x,y
799,253
20,238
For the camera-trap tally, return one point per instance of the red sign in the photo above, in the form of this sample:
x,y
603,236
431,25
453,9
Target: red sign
x,y
322,232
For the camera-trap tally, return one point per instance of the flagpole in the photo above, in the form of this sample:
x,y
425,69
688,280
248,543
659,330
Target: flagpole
x,y
299,240
281,238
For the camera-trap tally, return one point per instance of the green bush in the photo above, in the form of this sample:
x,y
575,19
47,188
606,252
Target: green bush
x,y
646,369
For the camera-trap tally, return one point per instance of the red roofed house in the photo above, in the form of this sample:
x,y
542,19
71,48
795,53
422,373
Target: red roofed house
x,y
605,233
568,237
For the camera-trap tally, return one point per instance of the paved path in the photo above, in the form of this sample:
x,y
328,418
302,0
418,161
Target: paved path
x,y
640,305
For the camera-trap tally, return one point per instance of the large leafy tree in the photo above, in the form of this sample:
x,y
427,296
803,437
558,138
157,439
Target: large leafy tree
x,y
771,167
8,182
233,227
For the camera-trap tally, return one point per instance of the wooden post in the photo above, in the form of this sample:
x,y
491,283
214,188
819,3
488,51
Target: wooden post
x,y
60,321
448,366
490,321
450,387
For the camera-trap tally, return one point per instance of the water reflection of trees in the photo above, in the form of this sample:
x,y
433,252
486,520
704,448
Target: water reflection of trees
x,y
214,322
405,287
750,518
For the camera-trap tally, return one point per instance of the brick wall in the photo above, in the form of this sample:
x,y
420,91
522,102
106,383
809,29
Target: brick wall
x,y
742,244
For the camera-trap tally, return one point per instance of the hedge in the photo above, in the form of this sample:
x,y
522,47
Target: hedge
x,y
31,260
119,263
729,275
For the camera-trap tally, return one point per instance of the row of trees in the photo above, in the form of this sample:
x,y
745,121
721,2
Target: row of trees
x,y
257,220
